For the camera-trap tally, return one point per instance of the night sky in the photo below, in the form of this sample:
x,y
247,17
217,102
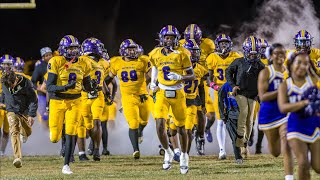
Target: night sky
x,y
24,32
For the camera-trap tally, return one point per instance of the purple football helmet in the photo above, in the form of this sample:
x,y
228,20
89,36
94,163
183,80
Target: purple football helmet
x,y
131,53
264,44
105,54
169,30
223,48
303,41
140,50
194,49
69,47
92,46
18,64
251,46
6,62
193,31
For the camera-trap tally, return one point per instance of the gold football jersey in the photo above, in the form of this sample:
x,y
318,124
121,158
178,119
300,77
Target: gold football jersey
x,y
131,74
67,71
207,46
219,65
177,62
191,87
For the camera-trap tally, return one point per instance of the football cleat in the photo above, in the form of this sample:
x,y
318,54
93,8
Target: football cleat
x,y
66,170
96,155
239,161
209,136
222,155
200,146
184,163
176,156
136,155
105,152
83,157
17,163
168,157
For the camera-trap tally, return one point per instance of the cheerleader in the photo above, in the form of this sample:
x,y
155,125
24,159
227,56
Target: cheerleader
x,y
302,131
271,121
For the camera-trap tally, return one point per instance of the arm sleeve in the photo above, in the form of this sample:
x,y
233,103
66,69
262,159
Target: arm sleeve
x,y
222,96
231,73
35,76
51,84
202,94
33,101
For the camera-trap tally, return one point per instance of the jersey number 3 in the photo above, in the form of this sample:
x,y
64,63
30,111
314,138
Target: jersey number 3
x,y
221,76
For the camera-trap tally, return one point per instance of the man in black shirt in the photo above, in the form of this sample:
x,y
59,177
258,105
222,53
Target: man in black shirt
x,y
242,75
19,97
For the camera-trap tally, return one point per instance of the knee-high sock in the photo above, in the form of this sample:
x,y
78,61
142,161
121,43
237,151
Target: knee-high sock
x,y
209,124
221,134
70,140
133,135
140,130
104,134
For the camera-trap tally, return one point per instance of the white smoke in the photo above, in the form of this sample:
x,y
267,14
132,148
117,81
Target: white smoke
x,y
279,21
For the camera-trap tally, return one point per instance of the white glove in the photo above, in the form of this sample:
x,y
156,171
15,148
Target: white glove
x,y
174,76
152,86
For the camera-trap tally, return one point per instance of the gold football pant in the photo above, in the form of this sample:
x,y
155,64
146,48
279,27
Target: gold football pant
x,y
63,111
177,104
135,111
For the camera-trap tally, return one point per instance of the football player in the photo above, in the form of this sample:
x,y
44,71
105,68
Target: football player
x,y
207,46
264,44
193,100
303,42
109,111
131,71
67,75
171,66
218,62
93,102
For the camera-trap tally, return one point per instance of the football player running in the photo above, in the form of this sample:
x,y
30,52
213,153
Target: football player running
x,y
171,66
67,75
93,102
218,62
207,46
303,43
131,71
195,96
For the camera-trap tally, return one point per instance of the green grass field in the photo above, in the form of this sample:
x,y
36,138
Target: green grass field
x,y
148,167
